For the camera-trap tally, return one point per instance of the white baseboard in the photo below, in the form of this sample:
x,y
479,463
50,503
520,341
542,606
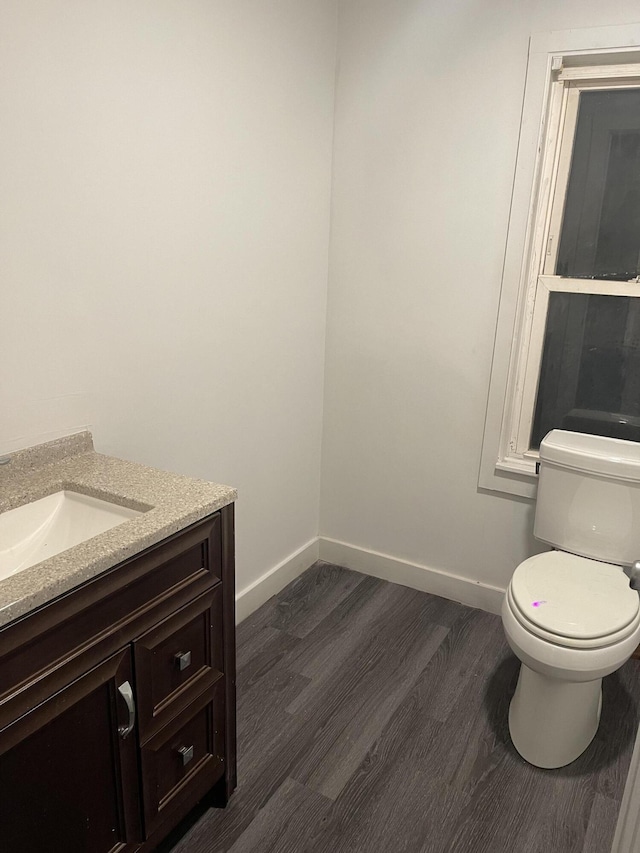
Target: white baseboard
x,y
424,578
271,582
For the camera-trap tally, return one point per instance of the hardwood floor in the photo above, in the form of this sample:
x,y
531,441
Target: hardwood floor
x,y
373,718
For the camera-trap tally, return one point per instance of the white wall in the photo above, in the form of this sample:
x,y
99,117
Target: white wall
x,y
428,108
164,225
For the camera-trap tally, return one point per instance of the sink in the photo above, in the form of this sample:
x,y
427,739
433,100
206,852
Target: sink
x,y
43,528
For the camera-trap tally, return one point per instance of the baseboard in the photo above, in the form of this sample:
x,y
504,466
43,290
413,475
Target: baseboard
x,y
271,582
424,578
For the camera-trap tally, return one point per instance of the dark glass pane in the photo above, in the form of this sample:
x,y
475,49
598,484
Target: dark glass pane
x,y
590,373
600,236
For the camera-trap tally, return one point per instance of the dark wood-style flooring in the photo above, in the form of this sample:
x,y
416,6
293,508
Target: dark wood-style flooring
x,y
373,718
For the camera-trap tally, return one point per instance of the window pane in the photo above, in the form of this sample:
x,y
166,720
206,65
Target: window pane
x,y
590,373
600,236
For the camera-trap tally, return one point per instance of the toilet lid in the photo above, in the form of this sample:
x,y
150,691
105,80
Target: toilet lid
x,y
572,596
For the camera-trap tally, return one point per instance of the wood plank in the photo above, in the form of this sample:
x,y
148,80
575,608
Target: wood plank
x,y
275,646
403,617
356,705
263,767
337,638
312,596
461,662
602,825
608,757
399,802
249,631
286,822
262,710
480,720
335,756
563,806
412,746
413,813
500,813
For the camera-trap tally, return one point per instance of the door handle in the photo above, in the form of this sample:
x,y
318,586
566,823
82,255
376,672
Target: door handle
x,y
127,694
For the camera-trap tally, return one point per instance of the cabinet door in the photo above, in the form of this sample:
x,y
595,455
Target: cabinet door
x,y
68,777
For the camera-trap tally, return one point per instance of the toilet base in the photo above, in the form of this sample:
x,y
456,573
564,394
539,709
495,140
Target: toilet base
x,y
552,722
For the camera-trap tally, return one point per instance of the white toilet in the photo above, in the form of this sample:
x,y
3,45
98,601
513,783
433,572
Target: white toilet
x,y
570,615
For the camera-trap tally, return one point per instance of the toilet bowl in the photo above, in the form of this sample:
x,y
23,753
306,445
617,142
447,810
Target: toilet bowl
x,y
567,643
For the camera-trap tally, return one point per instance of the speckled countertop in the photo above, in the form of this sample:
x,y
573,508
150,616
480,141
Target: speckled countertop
x,y
169,502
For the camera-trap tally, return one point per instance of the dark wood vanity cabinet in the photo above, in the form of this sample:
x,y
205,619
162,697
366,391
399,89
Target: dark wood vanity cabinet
x,y
117,701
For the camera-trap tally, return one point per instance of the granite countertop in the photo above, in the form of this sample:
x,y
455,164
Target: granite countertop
x,y
169,502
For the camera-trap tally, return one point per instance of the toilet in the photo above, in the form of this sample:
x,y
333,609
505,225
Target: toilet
x,y
569,614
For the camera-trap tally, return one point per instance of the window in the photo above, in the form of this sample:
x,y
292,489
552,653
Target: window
x,y
589,376
573,358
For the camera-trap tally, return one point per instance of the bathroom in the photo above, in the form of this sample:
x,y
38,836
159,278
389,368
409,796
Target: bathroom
x,y
262,243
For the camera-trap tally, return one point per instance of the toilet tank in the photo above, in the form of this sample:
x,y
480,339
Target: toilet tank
x,y
589,496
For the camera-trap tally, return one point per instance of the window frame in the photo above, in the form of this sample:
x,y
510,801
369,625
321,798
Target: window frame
x,y
561,65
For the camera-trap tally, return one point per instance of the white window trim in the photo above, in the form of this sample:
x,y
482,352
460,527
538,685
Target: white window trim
x,y
564,55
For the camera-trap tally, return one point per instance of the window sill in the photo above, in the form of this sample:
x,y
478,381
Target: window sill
x,y
519,466
511,476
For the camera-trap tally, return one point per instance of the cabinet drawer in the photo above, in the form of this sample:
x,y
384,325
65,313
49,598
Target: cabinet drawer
x,y
177,660
184,760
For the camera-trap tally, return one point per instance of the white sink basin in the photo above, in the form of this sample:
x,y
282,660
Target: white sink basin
x,y
43,528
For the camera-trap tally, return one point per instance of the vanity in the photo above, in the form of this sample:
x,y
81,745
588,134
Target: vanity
x,y
117,660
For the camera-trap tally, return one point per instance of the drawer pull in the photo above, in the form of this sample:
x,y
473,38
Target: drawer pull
x,y
183,660
127,694
187,754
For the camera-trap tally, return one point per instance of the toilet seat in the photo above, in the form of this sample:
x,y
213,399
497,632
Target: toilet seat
x,y
570,642
573,601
